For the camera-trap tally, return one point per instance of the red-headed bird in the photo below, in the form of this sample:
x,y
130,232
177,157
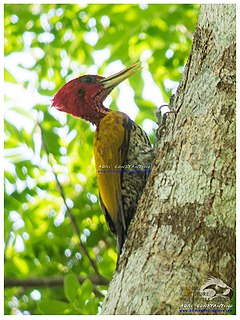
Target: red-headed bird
x,y
122,150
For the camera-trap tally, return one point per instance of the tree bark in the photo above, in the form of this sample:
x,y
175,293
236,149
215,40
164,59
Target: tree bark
x,y
184,229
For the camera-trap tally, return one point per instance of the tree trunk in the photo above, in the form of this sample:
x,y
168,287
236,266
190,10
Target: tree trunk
x,y
183,232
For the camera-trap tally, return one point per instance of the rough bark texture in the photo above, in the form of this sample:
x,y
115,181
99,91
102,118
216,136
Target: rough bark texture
x,y
184,229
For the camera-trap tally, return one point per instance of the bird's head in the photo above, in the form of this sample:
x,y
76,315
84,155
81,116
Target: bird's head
x,y
83,97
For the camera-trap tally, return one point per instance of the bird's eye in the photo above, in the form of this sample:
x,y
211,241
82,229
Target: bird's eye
x,y
88,79
81,92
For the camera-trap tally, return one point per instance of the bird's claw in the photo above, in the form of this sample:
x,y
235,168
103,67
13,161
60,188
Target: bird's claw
x,y
162,118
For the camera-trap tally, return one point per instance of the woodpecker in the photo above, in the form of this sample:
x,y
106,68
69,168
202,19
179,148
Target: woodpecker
x,y
122,150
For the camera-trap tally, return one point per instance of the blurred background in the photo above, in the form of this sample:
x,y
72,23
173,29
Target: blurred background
x,y
59,253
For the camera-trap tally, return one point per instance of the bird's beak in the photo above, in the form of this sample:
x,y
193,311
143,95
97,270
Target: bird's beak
x,y
112,81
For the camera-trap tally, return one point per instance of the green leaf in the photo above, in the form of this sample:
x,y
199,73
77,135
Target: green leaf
x,y
71,286
51,140
53,307
20,173
8,77
87,289
92,306
21,265
8,175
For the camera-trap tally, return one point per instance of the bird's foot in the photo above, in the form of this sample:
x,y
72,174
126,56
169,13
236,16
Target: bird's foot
x,y
162,118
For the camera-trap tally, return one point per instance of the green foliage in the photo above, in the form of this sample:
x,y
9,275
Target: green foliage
x,y
71,286
50,173
53,307
81,299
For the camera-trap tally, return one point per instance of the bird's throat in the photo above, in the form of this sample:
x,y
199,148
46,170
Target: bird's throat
x,y
94,115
